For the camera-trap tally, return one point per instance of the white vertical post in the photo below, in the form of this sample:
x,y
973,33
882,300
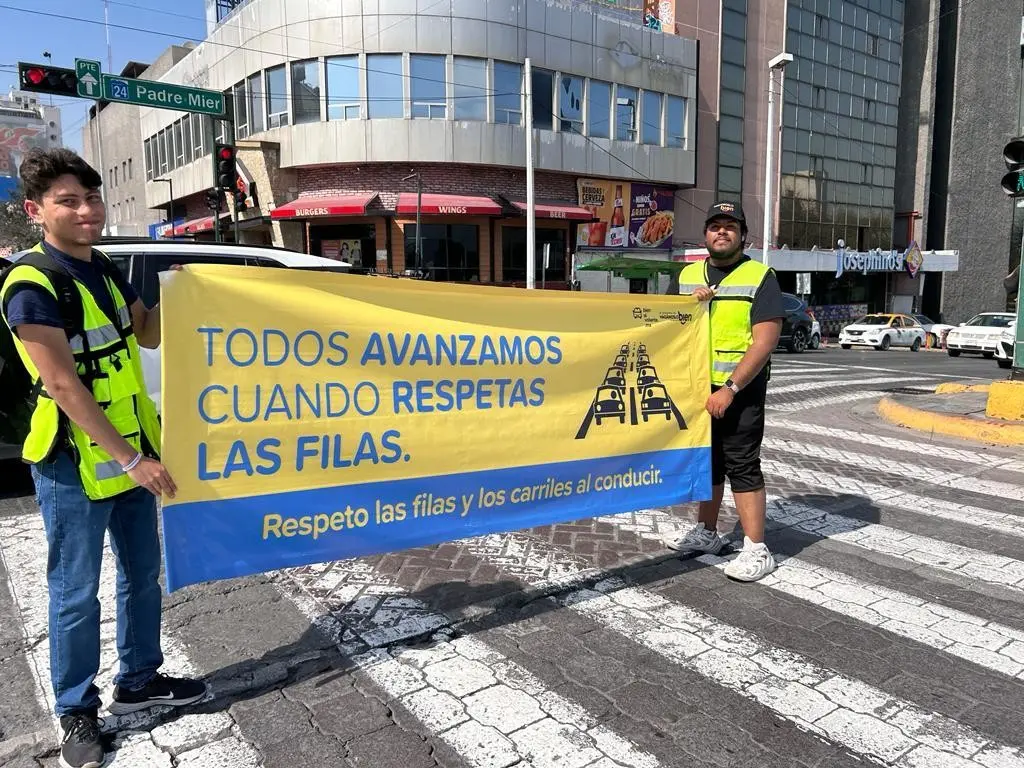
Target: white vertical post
x,y
531,221
102,169
769,167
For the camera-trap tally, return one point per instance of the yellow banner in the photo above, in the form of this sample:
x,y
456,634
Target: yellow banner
x,y
310,416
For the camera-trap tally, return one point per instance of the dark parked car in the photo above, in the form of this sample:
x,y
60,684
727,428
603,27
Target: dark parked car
x,y
796,326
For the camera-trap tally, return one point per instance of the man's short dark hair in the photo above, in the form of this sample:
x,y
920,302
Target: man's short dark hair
x,y
41,168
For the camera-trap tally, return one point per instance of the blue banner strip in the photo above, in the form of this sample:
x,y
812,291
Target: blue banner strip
x,y
226,538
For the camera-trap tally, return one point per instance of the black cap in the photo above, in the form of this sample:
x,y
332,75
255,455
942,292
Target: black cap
x,y
726,210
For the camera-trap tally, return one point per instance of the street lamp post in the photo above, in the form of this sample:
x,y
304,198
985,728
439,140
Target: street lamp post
x,y
419,205
170,215
777,63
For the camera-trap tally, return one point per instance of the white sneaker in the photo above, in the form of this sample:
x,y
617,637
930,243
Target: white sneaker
x,y
698,539
753,563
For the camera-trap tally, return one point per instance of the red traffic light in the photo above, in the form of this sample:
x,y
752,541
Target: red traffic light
x,y
35,75
226,153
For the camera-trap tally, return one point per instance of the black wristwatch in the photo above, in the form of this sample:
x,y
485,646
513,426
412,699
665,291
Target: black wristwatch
x,y
729,383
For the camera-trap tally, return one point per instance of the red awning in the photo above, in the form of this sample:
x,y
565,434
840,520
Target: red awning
x,y
316,207
192,226
555,211
448,205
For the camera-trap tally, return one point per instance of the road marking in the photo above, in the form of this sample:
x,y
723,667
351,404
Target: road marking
x,y
492,711
963,635
846,711
889,442
928,374
821,402
24,550
894,467
803,371
809,386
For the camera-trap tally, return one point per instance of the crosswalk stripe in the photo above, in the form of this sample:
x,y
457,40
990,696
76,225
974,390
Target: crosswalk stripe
x,y
490,710
24,550
777,370
951,558
871,463
813,364
806,404
963,635
889,442
1004,522
809,386
843,710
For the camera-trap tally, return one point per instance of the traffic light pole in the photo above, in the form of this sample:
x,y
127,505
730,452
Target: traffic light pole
x,y
1017,372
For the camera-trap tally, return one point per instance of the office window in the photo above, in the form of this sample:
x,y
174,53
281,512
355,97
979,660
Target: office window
x,y
543,99
241,108
821,26
625,113
508,89
343,88
305,91
384,85
451,252
186,141
200,129
179,146
161,154
675,122
147,147
113,173
651,116
470,76
570,104
277,97
427,86
257,107
130,174
599,110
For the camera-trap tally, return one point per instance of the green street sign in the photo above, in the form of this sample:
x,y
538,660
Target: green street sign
x,y
88,73
150,93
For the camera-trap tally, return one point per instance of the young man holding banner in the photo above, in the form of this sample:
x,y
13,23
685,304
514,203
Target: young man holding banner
x,y
92,444
746,320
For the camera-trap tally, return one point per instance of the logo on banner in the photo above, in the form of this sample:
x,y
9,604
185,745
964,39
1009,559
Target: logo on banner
x,y
913,259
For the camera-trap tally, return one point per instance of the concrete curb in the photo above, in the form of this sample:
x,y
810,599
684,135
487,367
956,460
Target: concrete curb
x,y
952,388
976,430
1006,401
32,745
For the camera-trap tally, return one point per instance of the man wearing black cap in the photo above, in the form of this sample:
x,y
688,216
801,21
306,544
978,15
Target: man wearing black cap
x,y
746,319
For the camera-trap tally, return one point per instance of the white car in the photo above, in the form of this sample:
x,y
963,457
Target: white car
x,y
882,331
1004,346
937,331
980,334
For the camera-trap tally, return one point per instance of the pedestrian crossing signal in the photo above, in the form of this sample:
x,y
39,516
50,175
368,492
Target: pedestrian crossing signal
x,y
39,78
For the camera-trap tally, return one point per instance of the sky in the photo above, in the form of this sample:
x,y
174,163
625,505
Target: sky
x,y
140,30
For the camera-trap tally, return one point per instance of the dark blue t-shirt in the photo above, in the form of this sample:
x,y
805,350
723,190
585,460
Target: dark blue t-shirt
x,y
31,304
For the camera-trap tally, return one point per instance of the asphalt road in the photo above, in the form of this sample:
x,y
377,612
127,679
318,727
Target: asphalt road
x,y
922,363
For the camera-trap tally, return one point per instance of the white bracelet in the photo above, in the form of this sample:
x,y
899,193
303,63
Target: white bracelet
x,y
133,463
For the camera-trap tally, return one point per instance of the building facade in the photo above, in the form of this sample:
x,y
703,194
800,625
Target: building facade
x,y
26,122
962,103
123,164
348,117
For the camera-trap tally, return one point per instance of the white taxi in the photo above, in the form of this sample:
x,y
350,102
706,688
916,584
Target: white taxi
x,y
882,331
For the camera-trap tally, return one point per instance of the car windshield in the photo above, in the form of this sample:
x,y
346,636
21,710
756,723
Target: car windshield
x,y
874,320
924,320
655,390
991,321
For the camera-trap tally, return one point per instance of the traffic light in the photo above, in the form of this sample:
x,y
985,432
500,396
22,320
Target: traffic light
x,y
40,78
214,199
239,199
1013,156
224,158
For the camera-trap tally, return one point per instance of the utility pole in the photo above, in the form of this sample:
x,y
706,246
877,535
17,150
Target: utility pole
x,y
531,221
777,63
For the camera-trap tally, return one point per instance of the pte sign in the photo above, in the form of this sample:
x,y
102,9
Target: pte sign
x,y
150,93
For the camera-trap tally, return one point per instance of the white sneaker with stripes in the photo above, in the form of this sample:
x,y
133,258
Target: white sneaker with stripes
x,y
698,539
753,563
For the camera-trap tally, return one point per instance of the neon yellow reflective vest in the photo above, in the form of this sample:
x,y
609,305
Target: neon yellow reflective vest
x,y
108,362
731,333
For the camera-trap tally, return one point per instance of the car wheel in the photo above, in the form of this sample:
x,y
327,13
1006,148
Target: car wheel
x,y
1005,363
799,341
953,352
884,345
815,342
988,355
845,346
916,345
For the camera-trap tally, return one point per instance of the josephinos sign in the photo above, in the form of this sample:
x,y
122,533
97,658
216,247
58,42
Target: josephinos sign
x,y
909,261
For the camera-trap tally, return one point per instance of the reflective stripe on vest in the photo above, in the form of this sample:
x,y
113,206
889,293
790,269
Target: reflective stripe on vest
x,y
112,371
731,333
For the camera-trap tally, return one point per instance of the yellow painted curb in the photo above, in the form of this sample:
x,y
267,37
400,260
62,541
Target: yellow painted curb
x,y
952,388
1006,401
978,430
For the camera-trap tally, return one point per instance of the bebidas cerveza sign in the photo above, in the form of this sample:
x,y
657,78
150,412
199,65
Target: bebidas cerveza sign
x,y
876,261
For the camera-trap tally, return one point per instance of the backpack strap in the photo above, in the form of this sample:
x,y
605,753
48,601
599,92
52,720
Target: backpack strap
x,y
69,300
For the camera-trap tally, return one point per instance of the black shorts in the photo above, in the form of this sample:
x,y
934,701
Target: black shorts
x,y
736,440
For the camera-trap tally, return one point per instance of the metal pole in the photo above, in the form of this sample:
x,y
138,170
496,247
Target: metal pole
x,y
1017,372
531,221
419,228
767,227
103,165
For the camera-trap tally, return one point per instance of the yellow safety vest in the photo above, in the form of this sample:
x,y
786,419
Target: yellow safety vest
x,y
731,333
108,361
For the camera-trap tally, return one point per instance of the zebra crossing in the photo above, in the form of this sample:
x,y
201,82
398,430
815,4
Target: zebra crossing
x,y
891,634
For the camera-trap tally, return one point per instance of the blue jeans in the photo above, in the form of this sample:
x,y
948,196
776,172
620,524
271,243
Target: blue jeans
x,y
74,533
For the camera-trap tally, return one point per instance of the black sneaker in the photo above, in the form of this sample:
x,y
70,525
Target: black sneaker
x,y
168,691
80,745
